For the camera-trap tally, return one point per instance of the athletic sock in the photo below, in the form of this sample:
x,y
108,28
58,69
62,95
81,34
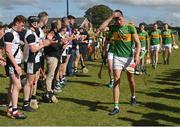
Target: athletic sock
x,y
64,78
26,103
14,110
61,80
112,77
133,97
75,69
116,105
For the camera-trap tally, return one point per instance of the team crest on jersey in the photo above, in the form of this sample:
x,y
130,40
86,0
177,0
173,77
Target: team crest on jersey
x,y
142,38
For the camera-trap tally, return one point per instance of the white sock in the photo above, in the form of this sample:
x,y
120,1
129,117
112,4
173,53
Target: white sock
x,y
133,96
117,107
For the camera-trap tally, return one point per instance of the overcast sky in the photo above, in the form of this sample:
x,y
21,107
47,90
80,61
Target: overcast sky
x,y
134,10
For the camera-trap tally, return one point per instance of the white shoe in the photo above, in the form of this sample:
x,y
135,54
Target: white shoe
x,y
85,70
34,103
54,99
175,46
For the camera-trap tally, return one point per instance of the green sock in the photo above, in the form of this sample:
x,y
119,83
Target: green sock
x,y
116,105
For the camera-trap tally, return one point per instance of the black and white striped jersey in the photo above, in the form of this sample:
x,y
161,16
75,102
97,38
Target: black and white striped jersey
x,y
12,37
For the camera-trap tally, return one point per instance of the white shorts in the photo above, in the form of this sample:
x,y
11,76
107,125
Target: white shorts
x,y
122,63
143,49
97,46
107,47
110,56
143,52
169,46
77,52
155,47
10,70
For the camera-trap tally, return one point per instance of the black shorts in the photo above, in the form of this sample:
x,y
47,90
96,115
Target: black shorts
x,y
69,51
10,70
63,59
42,59
83,49
31,68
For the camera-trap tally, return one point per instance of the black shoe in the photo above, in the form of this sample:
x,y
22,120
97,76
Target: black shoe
x,y
114,111
168,61
28,109
165,62
133,101
154,66
33,97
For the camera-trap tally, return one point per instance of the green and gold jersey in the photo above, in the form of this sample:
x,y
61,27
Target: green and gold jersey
x,y
167,36
122,38
155,36
143,37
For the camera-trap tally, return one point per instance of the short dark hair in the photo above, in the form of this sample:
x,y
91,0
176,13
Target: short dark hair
x,y
119,12
1,26
155,24
42,14
142,24
63,27
71,17
19,18
63,19
32,19
54,24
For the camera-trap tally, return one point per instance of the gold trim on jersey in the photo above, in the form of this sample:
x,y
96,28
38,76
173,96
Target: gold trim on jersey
x,y
155,36
119,37
166,35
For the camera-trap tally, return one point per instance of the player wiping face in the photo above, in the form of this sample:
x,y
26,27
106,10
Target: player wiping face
x,y
119,20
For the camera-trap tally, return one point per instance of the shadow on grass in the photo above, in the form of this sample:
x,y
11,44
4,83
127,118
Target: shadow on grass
x,y
160,107
142,122
169,77
82,75
166,94
3,102
151,119
164,82
166,78
3,75
89,83
162,95
3,99
3,113
93,105
171,91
